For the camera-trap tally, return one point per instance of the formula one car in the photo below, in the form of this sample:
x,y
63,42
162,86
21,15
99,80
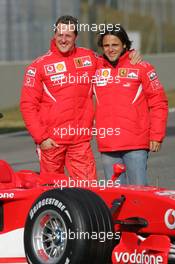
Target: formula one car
x,y
43,220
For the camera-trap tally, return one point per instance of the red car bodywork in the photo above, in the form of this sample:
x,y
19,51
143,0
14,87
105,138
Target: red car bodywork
x,y
144,216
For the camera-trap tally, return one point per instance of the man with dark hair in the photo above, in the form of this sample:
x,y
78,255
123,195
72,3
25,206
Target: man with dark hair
x,y
131,106
54,109
67,20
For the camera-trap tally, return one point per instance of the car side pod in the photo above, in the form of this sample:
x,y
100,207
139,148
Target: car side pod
x,y
6,172
135,249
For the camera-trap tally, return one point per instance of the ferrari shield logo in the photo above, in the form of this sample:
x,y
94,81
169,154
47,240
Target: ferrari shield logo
x,y
78,62
122,72
82,61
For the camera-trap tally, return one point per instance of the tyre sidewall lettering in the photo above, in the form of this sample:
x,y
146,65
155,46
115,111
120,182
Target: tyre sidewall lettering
x,y
50,201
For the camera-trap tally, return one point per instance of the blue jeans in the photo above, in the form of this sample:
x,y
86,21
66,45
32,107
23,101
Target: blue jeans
x,y
136,165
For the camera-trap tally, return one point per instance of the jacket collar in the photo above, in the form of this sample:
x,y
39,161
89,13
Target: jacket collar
x,y
120,60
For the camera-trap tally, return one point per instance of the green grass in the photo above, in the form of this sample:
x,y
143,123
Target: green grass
x,y
171,98
12,120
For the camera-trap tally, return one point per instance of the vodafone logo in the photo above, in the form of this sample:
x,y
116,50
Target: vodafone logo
x,y
50,68
7,195
170,218
55,68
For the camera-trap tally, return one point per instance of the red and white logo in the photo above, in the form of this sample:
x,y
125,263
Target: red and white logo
x,y
152,75
102,76
55,68
104,73
31,71
82,61
169,218
49,69
29,81
133,73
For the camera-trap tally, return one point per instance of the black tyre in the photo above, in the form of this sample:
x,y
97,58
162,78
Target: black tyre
x,y
70,226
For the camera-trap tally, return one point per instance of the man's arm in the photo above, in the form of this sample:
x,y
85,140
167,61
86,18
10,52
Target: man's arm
x,y
30,100
158,105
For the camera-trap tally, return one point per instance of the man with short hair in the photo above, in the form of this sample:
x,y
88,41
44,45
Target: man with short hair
x,y
54,109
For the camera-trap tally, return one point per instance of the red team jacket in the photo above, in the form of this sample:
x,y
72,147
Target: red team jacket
x,y
131,105
56,96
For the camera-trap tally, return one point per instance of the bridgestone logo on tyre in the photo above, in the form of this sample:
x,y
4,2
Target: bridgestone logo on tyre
x,y
44,202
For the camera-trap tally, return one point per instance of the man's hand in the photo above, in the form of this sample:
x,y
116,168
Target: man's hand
x,y
154,146
48,144
135,57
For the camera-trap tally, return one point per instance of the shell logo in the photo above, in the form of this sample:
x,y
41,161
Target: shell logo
x,y
170,218
105,73
60,67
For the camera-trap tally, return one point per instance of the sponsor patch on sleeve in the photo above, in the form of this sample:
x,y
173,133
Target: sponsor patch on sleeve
x,y
29,81
152,75
31,71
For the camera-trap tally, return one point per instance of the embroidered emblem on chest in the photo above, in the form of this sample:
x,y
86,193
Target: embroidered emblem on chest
x,y
128,73
55,68
102,76
83,62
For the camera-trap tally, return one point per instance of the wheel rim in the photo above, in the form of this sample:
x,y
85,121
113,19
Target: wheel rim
x,y
49,238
